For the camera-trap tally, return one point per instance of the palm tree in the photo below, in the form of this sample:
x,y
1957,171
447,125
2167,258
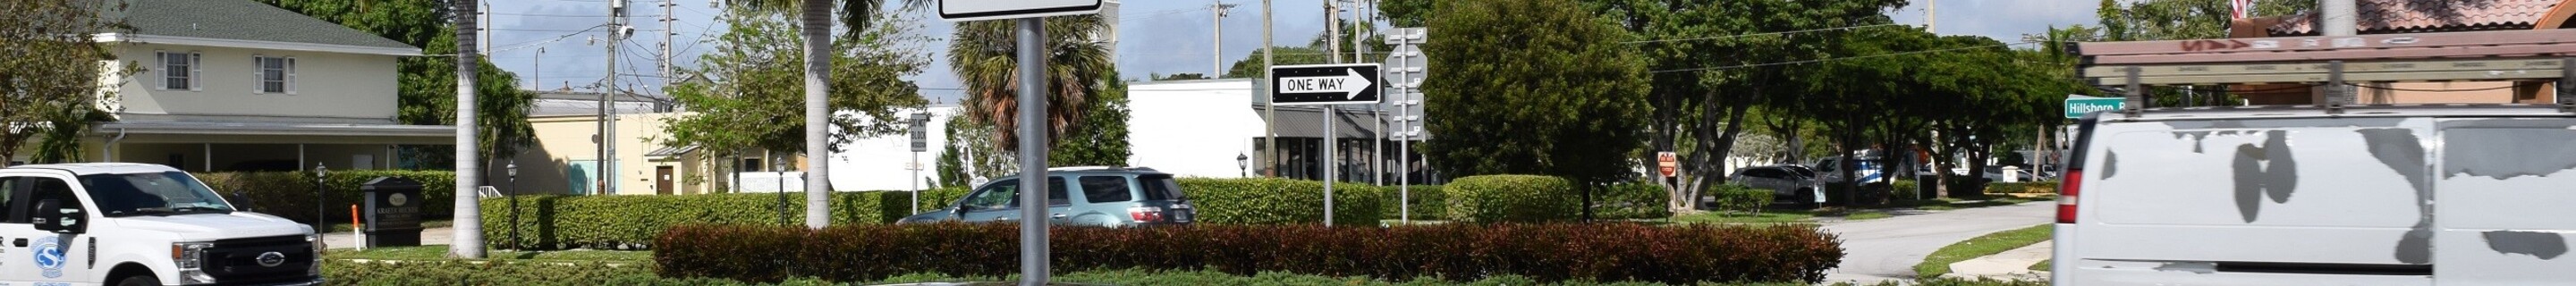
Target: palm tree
x,y
982,55
859,15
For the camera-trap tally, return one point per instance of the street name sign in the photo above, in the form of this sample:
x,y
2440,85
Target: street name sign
x,y
972,10
1324,84
2078,105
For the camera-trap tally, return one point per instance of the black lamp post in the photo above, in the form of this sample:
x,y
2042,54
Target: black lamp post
x,y
1243,164
514,199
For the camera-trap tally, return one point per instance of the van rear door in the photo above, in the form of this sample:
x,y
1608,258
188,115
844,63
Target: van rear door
x,y
2506,185
2255,202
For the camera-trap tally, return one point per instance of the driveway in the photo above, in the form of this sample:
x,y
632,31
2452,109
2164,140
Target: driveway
x,y
1887,249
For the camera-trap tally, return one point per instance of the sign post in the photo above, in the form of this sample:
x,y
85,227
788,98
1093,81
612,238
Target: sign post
x,y
1667,163
1325,85
1032,109
920,142
2078,105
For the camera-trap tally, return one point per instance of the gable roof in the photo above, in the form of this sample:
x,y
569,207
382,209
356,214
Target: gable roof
x,y
2420,16
246,24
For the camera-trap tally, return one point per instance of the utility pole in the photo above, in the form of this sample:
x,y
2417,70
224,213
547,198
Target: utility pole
x,y
486,13
1216,57
1359,53
1270,114
1931,8
607,103
668,30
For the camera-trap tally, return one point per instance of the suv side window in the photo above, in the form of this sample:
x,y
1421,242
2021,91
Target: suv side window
x,y
1160,188
1106,189
1055,193
9,188
994,196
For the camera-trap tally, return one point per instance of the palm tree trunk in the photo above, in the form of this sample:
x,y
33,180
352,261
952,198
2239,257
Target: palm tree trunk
x,y
818,66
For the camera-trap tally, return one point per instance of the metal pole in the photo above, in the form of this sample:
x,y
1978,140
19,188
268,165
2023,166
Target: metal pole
x,y
1329,161
1033,153
916,182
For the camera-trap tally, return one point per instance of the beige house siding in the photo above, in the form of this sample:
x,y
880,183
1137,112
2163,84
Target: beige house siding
x,y
328,87
563,141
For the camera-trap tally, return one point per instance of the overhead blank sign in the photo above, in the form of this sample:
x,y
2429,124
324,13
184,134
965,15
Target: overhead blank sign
x,y
971,10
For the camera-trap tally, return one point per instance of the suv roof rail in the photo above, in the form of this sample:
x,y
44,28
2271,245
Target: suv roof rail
x,y
1097,168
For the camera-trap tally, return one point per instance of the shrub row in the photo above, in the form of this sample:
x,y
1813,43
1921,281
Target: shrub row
x,y
1632,200
1429,202
1740,198
544,222
1458,252
2049,187
1283,201
1512,198
291,194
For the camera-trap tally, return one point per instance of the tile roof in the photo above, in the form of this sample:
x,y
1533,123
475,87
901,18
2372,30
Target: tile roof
x,y
243,20
2415,16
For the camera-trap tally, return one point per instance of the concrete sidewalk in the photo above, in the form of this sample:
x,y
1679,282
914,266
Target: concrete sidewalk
x,y
2011,264
430,236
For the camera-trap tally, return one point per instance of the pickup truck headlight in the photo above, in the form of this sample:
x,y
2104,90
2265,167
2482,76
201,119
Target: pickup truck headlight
x,y
314,269
191,257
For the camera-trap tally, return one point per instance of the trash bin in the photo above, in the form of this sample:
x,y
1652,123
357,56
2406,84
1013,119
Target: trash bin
x,y
392,211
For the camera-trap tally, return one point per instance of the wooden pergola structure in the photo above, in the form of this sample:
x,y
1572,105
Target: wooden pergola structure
x,y
2336,61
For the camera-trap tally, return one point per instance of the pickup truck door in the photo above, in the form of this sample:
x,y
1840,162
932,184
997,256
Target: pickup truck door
x,y
42,256
2503,185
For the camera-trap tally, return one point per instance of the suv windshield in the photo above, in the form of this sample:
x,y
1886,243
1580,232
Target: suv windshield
x,y
164,193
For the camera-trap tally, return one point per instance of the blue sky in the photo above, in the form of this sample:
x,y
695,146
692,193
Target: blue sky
x,y
1157,36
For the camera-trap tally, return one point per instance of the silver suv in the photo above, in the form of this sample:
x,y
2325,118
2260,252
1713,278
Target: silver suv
x,y
1788,183
1111,196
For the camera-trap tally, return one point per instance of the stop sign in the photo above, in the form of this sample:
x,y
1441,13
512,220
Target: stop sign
x,y
1667,162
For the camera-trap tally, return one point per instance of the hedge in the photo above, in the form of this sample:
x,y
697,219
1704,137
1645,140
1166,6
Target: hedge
x,y
1283,201
2049,187
1458,252
1429,202
1741,198
546,222
1512,198
1632,200
290,194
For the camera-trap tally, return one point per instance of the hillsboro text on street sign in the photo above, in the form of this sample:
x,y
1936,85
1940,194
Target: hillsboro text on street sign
x,y
971,10
1324,84
2078,105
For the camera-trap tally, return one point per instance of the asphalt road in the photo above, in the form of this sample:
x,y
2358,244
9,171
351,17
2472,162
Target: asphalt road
x,y
1887,249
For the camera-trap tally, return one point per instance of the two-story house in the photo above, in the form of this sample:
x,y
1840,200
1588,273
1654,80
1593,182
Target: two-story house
x,y
235,85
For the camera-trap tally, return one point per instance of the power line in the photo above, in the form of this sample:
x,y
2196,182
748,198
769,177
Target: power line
x,y
1841,58
1758,34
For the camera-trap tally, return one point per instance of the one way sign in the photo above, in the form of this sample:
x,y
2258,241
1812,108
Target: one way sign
x,y
1324,84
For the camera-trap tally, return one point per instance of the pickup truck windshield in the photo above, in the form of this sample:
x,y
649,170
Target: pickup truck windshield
x,y
166,193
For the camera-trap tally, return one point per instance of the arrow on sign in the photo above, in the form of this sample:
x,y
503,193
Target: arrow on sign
x,y
1351,84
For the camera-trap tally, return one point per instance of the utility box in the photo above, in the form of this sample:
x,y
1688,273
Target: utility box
x,y
392,211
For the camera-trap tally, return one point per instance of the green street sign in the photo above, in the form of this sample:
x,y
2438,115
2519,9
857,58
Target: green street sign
x,y
2077,105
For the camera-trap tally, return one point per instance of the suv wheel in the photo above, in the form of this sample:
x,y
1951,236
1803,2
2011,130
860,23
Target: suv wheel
x,y
138,280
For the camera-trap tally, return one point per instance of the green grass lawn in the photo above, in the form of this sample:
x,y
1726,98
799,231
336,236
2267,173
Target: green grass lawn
x,y
2042,266
1939,262
1766,217
439,252
1867,215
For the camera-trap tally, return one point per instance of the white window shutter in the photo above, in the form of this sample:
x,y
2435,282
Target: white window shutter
x,y
161,71
195,72
290,75
258,74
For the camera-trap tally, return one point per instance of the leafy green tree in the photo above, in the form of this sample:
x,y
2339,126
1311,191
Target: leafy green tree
x,y
746,108
1101,139
983,53
427,85
50,66
1533,87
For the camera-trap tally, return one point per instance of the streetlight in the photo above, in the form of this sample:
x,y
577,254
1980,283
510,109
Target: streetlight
x,y
1243,164
514,199
321,196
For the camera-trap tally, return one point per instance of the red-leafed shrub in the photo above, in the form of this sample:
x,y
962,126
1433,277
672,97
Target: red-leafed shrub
x,y
1457,252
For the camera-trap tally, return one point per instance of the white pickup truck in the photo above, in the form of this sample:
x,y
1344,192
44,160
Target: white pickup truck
x,y
2376,195
140,224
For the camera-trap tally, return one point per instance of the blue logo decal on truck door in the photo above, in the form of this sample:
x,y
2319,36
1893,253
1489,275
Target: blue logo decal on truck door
x,y
49,256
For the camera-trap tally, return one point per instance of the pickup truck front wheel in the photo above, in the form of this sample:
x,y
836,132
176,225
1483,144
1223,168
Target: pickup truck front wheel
x,y
138,280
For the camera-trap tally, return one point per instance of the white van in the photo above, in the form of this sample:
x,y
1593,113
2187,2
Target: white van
x,y
140,224
2376,195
